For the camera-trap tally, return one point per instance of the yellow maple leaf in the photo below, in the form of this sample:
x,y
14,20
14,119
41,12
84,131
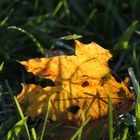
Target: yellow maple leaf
x,y
82,81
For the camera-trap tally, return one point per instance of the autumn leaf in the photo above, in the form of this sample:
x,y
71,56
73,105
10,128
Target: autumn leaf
x,y
82,84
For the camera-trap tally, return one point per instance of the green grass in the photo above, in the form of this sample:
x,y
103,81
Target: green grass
x,y
137,107
28,29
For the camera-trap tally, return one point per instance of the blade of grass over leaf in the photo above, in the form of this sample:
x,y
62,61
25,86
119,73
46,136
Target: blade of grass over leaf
x,y
45,121
124,40
18,107
125,134
15,132
78,133
15,100
110,116
34,134
37,43
22,116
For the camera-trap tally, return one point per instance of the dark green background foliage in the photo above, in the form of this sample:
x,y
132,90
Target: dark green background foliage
x,y
29,28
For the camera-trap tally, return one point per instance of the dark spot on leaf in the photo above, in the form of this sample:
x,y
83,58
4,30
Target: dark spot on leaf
x,y
85,84
73,109
119,103
121,93
85,76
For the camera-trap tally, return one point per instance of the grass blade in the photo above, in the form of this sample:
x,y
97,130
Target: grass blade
x,y
110,116
134,81
19,108
22,116
56,10
125,134
66,7
124,40
37,43
16,130
137,110
1,66
45,122
3,22
78,133
71,37
34,134
137,107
